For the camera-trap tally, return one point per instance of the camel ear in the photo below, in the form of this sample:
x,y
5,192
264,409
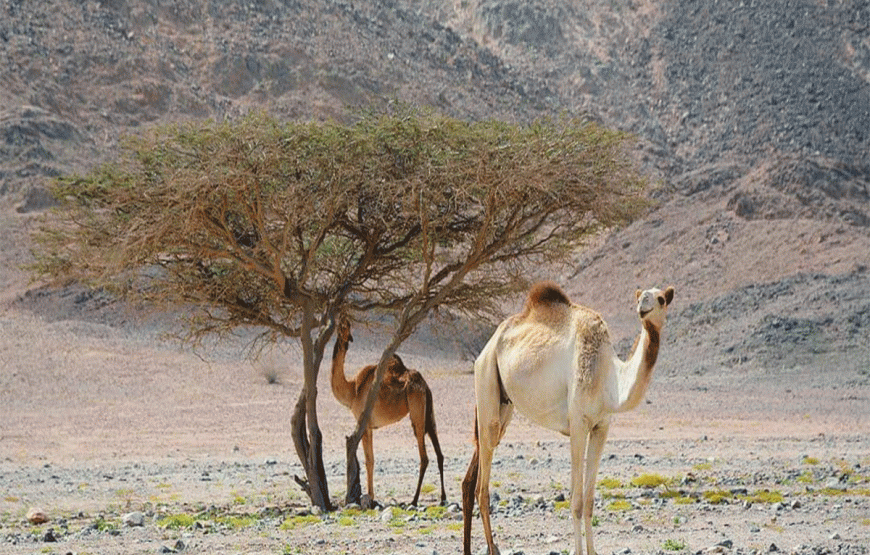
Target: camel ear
x,y
637,295
669,294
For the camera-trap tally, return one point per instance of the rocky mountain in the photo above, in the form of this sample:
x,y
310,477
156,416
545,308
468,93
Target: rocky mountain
x,y
753,119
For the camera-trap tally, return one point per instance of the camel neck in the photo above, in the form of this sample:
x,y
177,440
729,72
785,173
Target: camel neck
x,y
637,371
342,389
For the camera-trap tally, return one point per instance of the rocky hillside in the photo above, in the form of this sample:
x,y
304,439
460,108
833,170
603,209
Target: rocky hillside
x,y
753,119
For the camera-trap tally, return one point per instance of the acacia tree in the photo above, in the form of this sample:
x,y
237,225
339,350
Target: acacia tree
x,y
287,226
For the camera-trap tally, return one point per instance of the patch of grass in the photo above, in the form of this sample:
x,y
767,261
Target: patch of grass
x,y
618,506
10,499
764,496
715,497
703,466
346,521
426,530
609,483
104,525
355,512
806,478
566,505
685,500
810,460
435,512
427,488
175,522
648,481
454,526
400,518
295,522
833,492
674,545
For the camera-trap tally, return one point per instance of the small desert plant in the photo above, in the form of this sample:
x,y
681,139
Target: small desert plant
x,y
181,520
674,545
649,481
236,522
717,496
436,512
764,496
609,483
618,506
299,521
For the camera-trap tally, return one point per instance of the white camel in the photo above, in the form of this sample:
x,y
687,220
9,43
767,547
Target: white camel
x,y
555,363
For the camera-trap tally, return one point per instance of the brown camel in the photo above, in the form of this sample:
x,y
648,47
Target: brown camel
x,y
403,391
555,363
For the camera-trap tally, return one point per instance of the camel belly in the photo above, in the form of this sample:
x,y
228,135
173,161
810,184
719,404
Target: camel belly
x,y
544,404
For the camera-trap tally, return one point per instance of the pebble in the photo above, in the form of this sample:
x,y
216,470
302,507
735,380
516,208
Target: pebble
x,y
135,518
37,516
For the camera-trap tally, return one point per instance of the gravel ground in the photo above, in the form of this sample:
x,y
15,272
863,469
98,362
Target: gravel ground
x,y
103,426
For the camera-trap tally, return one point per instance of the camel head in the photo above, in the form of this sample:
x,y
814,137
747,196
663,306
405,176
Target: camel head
x,y
652,305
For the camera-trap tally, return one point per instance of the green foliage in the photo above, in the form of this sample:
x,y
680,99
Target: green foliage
x,y
648,481
609,483
619,506
299,521
104,525
235,522
764,496
715,497
178,521
435,512
253,215
674,545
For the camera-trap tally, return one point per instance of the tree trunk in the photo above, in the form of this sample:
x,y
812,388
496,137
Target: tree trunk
x,y
304,425
403,330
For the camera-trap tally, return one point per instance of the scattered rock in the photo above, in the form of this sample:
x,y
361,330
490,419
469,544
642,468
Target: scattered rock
x,y
37,516
134,518
49,536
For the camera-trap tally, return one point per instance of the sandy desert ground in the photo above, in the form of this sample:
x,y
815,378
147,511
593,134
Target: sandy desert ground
x,y
105,423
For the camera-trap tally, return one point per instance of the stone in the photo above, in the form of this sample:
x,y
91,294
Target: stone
x,y
134,518
37,516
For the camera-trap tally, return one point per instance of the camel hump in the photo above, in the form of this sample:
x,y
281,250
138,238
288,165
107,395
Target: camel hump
x,y
547,293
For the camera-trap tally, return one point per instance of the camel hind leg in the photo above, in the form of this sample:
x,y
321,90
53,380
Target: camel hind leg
x,y
417,412
489,437
432,431
469,486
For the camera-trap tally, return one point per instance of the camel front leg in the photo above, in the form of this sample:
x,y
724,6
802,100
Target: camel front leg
x,y
369,452
579,436
489,437
597,437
